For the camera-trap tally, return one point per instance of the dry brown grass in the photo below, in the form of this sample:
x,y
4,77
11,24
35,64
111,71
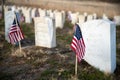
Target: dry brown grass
x,y
110,9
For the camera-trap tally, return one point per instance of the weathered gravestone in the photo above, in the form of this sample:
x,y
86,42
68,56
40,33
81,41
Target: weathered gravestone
x,y
5,9
23,9
13,8
45,34
27,14
94,16
74,17
117,20
69,18
89,17
100,41
33,12
85,14
105,17
9,17
59,20
42,12
81,19
52,15
19,8
48,12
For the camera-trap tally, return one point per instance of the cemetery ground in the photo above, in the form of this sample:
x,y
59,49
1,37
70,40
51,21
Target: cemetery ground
x,y
38,63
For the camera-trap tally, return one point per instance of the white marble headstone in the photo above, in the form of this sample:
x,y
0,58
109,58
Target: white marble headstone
x,y
85,14
33,12
81,19
105,17
13,8
52,15
69,16
48,12
94,16
74,17
19,8
24,10
27,14
100,40
117,20
9,18
59,20
5,9
89,17
42,12
45,33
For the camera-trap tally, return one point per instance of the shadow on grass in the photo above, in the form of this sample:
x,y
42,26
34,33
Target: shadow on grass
x,y
5,76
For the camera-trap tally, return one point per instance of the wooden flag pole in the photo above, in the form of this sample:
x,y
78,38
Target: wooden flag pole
x,y
76,61
20,46
19,36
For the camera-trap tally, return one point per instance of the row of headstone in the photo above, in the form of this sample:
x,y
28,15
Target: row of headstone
x,y
13,9
80,18
30,13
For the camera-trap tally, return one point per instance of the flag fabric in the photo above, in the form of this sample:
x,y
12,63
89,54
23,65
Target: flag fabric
x,y
15,33
77,44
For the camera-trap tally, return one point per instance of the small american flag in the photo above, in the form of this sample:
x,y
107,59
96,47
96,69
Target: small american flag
x,y
77,44
15,33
